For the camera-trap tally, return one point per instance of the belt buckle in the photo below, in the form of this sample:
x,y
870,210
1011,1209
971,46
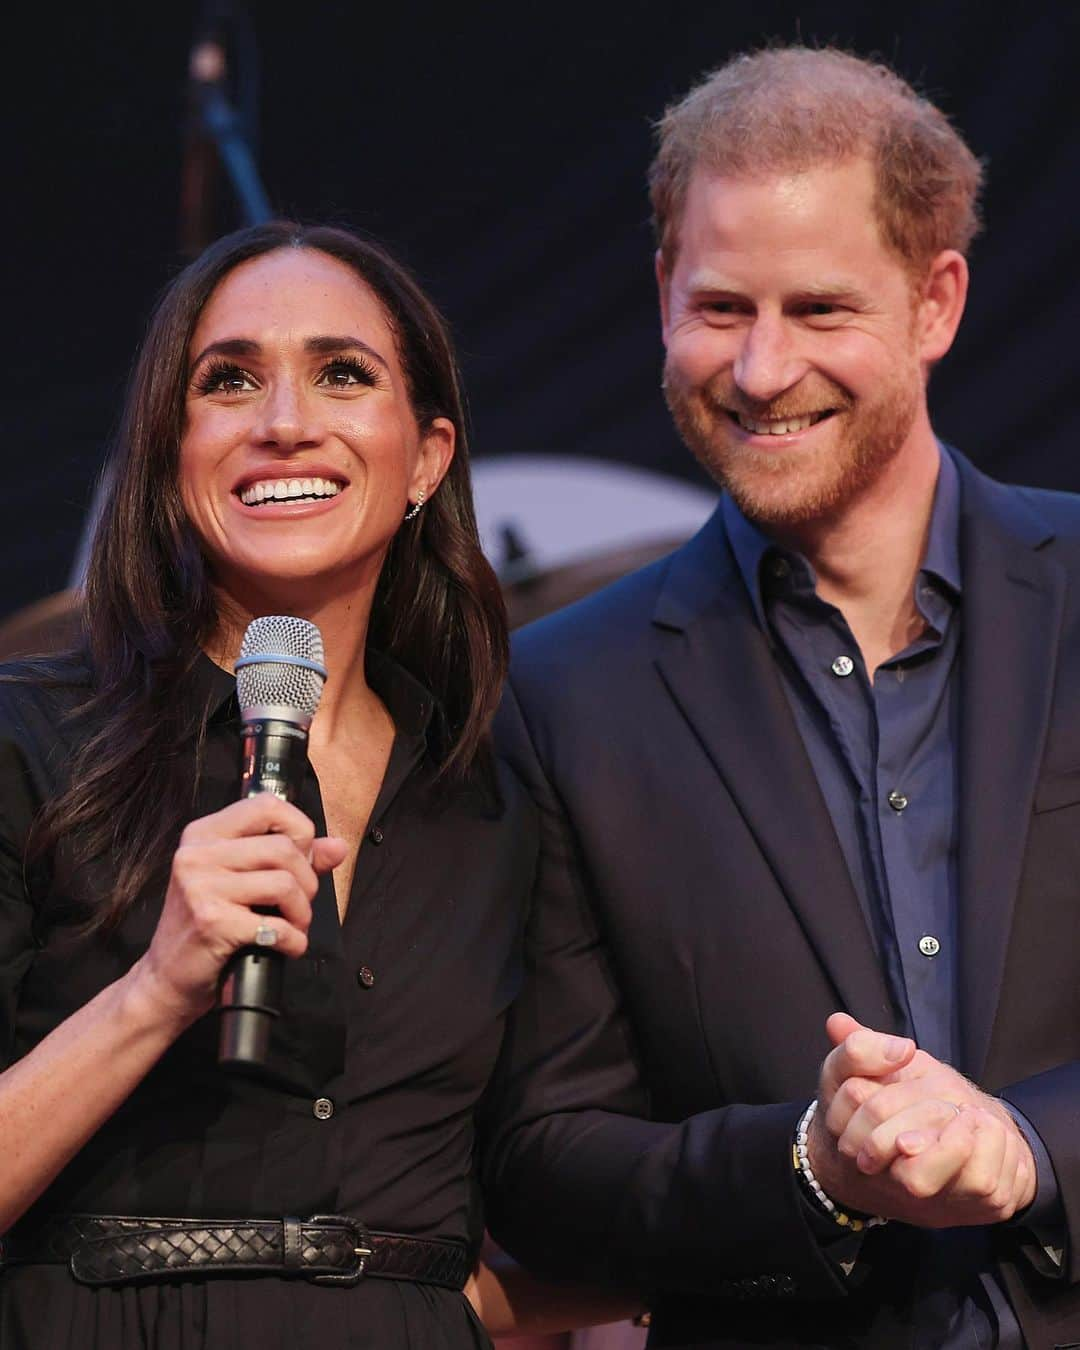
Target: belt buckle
x,y
360,1242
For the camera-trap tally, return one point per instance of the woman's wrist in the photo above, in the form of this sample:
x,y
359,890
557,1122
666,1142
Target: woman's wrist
x,y
153,1003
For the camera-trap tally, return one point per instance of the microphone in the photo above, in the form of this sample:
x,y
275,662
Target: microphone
x,y
279,680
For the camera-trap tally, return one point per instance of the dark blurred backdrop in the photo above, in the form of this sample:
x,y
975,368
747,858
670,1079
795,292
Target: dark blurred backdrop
x,y
501,152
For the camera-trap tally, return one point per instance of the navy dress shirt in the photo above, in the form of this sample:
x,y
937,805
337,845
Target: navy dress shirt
x,y
885,754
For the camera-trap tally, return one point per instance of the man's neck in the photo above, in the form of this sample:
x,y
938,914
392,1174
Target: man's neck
x,y
867,557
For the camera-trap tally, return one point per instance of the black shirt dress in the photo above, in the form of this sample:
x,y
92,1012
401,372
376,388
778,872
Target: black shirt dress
x,y
390,1030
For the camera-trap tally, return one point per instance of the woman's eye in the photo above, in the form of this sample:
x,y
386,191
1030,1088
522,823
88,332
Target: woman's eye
x,y
347,372
224,379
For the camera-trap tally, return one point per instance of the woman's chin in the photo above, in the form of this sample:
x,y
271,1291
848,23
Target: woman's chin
x,y
305,580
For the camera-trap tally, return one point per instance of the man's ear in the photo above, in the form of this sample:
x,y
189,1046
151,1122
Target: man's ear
x,y
941,305
662,291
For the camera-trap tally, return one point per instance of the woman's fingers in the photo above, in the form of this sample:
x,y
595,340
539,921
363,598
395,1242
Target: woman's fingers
x,y
327,853
257,854
262,814
276,890
289,939
250,869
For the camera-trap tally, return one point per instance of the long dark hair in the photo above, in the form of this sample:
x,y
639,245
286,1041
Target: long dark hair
x,y
149,605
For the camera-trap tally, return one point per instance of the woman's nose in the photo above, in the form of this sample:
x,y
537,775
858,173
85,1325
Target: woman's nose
x,y
288,418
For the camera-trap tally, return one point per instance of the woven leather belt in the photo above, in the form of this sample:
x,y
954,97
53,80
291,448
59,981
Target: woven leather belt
x,y
327,1249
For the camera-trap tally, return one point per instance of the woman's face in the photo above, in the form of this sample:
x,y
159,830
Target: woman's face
x,y
300,452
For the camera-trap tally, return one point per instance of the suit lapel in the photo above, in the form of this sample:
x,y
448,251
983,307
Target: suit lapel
x,y
1012,608
719,669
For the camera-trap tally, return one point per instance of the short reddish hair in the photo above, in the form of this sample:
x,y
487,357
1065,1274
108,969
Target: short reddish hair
x,y
788,109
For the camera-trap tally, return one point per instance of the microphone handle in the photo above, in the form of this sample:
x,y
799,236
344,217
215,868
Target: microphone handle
x,y
273,758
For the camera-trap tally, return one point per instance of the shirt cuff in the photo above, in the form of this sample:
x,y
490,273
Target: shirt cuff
x,y
1044,1218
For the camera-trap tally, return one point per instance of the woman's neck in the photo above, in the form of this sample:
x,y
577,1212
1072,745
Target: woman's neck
x,y
342,618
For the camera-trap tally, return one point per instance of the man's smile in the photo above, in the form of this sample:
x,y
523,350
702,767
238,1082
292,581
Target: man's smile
x,y
778,426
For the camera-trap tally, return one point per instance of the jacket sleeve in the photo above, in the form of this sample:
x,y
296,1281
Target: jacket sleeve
x,y
580,1182
1051,1102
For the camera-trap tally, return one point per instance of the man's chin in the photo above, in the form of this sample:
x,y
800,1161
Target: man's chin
x,y
781,487
772,504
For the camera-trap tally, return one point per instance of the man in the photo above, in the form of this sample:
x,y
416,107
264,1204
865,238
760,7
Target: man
x,y
810,788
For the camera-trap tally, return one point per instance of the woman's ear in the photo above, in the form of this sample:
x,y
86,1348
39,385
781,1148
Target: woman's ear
x,y
438,441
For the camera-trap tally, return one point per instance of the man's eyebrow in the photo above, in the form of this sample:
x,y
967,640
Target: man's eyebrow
x,y
713,283
318,346
830,290
703,280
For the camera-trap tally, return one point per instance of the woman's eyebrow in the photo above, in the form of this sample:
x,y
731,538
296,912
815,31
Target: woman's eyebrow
x,y
326,346
229,347
319,346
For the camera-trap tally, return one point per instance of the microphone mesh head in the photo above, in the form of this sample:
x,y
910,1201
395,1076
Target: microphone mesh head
x,y
271,670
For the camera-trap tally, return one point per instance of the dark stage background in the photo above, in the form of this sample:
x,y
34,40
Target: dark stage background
x,y
501,152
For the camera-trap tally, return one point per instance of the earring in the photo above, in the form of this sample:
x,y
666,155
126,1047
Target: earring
x,y
414,509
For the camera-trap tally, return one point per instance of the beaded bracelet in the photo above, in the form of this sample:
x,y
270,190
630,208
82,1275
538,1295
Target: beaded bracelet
x,y
801,1158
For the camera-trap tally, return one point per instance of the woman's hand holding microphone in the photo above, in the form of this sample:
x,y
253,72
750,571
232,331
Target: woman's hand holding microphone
x,y
258,853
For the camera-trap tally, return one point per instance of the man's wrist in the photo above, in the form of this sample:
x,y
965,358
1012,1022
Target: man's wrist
x,y
853,1221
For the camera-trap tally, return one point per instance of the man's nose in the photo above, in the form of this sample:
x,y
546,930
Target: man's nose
x,y
768,362
289,418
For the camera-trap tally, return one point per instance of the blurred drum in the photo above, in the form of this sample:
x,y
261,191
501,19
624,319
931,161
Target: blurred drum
x,y
557,527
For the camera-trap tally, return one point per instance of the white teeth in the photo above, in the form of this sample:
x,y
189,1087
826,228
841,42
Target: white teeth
x,y
776,428
286,489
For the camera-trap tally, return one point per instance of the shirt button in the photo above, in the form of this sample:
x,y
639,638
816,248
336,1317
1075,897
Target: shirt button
x,y
365,976
322,1108
843,666
897,800
929,945
375,835
779,567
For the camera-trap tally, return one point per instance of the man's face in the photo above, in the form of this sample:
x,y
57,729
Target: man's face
x,y
794,369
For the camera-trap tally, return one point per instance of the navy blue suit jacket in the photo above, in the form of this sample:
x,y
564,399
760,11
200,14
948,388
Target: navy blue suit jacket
x,y
695,924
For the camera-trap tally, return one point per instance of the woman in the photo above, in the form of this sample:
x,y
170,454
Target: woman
x,y
293,443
